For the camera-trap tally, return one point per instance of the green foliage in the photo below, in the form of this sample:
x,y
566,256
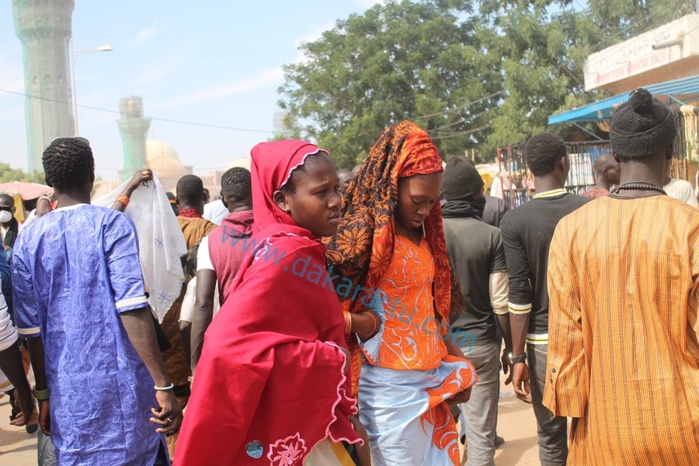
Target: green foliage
x,y
8,173
474,74
409,60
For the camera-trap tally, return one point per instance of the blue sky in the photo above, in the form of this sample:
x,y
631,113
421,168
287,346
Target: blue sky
x,y
217,66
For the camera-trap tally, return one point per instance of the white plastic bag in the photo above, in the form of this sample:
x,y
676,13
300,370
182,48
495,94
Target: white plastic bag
x,y
160,241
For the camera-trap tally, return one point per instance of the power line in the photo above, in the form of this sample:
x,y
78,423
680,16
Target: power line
x,y
473,117
462,106
167,120
461,133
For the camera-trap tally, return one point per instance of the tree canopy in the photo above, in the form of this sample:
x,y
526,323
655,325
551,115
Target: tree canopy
x,y
7,173
473,74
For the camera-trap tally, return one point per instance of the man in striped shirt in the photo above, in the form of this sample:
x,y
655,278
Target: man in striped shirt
x,y
12,377
624,292
526,234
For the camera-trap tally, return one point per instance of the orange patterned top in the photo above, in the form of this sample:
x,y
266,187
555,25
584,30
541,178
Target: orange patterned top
x,y
409,337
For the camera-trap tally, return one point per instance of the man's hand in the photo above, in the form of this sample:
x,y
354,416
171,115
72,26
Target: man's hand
x,y
169,415
43,205
28,415
461,397
520,379
45,417
141,176
507,366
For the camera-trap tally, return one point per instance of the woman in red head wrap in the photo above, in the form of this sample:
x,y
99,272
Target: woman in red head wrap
x,y
271,386
390,256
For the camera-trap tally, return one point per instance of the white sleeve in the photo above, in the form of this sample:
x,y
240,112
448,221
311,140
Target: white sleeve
x,y
691,197
190,297
499,288
31,218
8,333
203,256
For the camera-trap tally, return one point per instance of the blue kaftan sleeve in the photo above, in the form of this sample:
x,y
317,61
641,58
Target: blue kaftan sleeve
x,y
5,273
23,296
123,266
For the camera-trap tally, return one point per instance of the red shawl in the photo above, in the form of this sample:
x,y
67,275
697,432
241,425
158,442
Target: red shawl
x,y
270,382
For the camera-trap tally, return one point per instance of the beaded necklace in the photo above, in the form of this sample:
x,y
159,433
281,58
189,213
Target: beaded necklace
x,y
640,186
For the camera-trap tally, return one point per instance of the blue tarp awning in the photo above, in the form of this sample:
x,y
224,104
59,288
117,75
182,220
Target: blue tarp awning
x,y
602,110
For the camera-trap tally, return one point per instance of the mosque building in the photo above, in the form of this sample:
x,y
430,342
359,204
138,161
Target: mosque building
x,y
163,159
44,28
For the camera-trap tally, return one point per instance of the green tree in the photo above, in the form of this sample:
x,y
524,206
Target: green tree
x,y
477,75
7,173
400,60
544,45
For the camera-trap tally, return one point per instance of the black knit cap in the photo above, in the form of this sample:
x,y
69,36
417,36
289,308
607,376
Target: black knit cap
x,y
461,179
641,127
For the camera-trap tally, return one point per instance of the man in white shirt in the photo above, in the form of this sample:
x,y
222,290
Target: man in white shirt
x,y
680,189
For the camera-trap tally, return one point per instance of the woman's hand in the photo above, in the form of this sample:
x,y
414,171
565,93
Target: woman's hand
x,y
348,359
461,397
365,324
362,450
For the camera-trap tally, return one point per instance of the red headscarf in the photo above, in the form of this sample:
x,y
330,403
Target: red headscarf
x,y
271,167
270,384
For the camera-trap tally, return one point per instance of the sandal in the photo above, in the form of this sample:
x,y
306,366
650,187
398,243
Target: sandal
x,y
13,404
17,416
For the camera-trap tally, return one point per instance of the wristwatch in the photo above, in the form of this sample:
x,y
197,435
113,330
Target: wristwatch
x,y
517,359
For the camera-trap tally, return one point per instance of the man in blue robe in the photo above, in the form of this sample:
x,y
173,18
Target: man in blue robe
x,y
81,303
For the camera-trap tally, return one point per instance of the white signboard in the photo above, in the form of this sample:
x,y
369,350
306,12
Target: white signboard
x,y
670,43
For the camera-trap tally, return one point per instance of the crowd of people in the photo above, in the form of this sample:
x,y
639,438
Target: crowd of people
x,y
329,317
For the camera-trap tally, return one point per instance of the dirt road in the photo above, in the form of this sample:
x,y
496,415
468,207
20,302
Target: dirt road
x,y
516,424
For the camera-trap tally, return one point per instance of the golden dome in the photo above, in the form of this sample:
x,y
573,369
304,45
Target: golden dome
x,y
164,161
156,149
240,162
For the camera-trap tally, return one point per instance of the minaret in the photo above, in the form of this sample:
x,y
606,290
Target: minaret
x,y
44,28
133,128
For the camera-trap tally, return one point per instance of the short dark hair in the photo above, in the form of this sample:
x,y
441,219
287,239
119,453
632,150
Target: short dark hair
x,y
10,199
190,189
68,163
236,183
299,172
542,152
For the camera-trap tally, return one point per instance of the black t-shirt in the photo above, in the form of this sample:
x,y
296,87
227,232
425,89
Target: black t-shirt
x,y
495,208
526,235
475,251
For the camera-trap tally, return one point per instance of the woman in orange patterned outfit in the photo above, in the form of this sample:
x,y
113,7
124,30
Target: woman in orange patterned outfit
x,y
391,260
